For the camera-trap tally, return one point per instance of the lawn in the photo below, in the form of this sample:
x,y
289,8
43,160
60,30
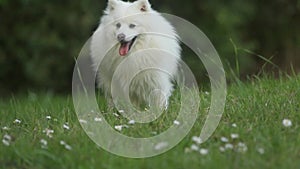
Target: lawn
x,y
42,131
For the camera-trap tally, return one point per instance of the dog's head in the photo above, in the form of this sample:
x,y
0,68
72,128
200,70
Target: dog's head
x,y
128,22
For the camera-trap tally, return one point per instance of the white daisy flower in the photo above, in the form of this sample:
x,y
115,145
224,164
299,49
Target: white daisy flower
x,y
48,132
197,140
43,141
68,147
119,127
241,147
66,126
286,123
203,151
228,146
82,121
234,136
5,128
5,142
7,137
234,125
17,121
176,122
97,119
222,149
121,111
116,114
224,139
131,122
194,147
261,150
161,145
48,117
61,142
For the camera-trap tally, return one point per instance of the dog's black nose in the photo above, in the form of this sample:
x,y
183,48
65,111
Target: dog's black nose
x,y
121,37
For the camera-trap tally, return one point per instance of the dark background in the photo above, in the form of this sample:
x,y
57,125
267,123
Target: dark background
x,y
40,39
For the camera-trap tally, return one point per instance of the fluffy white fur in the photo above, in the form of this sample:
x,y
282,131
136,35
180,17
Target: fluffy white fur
x,y
156,46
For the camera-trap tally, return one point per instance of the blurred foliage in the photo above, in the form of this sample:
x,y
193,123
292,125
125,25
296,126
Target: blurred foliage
x,y
40,39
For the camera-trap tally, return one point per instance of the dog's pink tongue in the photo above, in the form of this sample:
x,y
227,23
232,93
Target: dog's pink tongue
x,y
124,49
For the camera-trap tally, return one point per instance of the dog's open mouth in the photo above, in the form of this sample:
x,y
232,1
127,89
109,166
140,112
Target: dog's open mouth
x,y
126,46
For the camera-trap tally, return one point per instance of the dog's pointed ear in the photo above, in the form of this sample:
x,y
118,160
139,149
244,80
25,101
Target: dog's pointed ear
x,y
111,5
144,5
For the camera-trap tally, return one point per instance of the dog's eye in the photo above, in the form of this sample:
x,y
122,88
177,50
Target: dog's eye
x,y
118,25
132,26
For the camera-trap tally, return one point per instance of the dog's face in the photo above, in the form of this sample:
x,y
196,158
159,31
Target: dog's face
x,y
127,22
126,33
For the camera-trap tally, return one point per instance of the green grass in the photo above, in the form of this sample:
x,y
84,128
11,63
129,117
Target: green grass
x,y
257,107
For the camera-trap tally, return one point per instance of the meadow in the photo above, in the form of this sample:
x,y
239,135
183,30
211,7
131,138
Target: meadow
x,y
259,129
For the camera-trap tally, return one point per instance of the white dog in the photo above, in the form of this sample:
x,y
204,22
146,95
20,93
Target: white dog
x,y
136,52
